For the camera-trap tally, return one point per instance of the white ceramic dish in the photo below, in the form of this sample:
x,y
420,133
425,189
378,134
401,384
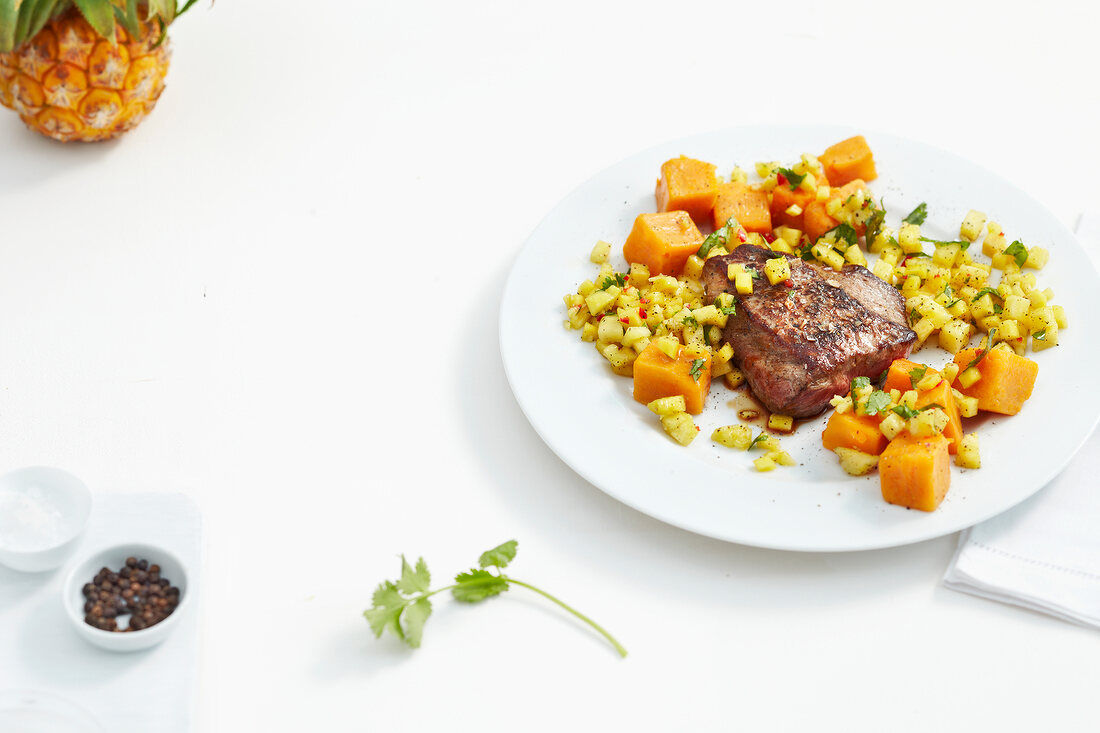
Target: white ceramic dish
x,y
114,558
587,416
69,505
31,711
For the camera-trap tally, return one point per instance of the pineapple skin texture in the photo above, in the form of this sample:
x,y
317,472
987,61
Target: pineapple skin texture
x,y
69,84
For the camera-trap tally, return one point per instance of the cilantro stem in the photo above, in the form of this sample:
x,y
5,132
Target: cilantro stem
x,y
603,632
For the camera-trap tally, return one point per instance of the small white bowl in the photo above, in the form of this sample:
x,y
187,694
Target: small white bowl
x,y
115,558
67,495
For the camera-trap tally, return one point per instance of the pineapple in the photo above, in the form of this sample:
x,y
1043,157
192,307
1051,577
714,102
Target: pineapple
x,y
88,73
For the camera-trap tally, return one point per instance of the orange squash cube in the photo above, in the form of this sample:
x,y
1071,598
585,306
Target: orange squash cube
x,y
848,160
1006,383
657,375
898,375
687,185
663,242
899,378
915,472
815,218
858,432
747,205
783,197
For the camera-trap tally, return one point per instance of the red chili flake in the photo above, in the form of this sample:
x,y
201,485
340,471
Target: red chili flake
x,y
866,203
781,179
789,283
644,300
741,236
769,237
697,428
626,277
624,320
642,314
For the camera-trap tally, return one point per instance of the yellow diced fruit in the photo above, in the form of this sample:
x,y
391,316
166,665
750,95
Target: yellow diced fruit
x,y
950,371
954,336
783,423
764,463
909,399
982,307
709,315
589,332
909,238
734,379
794,210
777,270
1037,258
892,425
634,334
854,462
668,405
639,274
732,436
972,225
610,331
841,404
724,354
968,456
828,255
600,300
693,267
601,252
783,458
788,234
780,245
968,406
1059,316
1016,307
680,427
967,377
884,270
923,329
733,270
855,256
928,423
823,193
1045,339
945,254
586,288
743,283
670,345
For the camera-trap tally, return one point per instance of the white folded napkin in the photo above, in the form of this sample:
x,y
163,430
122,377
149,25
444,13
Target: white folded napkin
x,y
1045,553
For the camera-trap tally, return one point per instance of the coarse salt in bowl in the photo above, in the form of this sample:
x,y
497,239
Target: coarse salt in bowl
x,y
43,514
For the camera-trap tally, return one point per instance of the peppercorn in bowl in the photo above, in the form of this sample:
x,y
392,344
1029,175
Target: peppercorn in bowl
x,y
127,597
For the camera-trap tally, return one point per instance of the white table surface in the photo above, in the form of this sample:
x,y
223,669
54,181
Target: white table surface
x,y
279,295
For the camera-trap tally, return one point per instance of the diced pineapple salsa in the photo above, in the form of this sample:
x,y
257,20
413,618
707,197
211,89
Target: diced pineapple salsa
x,y
650,323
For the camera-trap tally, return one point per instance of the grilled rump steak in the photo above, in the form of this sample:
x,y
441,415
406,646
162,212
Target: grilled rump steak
x,y
798,346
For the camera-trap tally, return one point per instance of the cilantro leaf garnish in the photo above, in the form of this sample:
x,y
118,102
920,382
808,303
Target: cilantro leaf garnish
x,y
944,242
719,238
758,439
917,215
877,402
617,279
882,375
403,607
988,346
753,273
859,383
992,291
917,374
905,411
874,224
728,310
697,368
794,179
1040,335
844,232
1017,250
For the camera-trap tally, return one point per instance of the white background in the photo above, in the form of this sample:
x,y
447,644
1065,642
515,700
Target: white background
x,y
279,295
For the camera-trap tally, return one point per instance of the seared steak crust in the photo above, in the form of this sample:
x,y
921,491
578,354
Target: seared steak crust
x,y
799,345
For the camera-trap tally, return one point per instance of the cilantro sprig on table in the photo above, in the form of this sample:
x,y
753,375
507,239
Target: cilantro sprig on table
x,y
403,606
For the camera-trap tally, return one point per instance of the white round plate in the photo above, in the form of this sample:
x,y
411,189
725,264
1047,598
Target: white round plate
x,y
588,417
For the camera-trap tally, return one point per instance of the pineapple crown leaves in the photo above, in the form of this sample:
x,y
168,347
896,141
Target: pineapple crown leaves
x,y
21,20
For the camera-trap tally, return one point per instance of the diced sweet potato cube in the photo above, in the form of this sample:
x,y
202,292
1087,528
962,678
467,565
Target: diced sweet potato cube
x,y
687,185
915,472
898,377
1006,383
782,198
941,395
858,432
658,375
662,242
744,203
815,218
848,160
